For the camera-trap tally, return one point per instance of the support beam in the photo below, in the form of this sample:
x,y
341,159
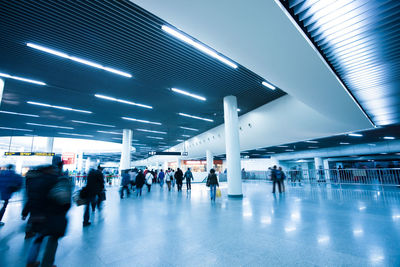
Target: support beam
x,y
210,160
232,147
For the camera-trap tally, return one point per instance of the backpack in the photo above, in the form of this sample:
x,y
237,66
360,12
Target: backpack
x,y
61,191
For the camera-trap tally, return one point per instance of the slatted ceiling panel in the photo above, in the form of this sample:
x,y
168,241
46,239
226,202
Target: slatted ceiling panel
x,y
120,35
360,41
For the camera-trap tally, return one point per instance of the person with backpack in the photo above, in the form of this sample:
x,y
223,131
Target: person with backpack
x,y
48,201
189,177
93,192
10,182
149,180
212,182
179,179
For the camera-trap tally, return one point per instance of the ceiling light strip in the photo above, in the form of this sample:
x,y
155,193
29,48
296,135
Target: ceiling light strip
x,y
49,126
21,79
198,45
150,131
142,121
76,59
270,86
155,137
15,129
195,117
74,134
58,107
108,132
122,101
176,90
190,129
19,114
93,123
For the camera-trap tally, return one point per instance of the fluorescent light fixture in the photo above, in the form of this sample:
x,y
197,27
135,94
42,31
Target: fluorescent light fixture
x,y
383,153
270,86
312,147
282,146
150,131
311,142
122,101
187,128
195,117
57,107
117,138
343,143
108,132
15,129
238,110
355,135
76,59
389,137
50,126
92,123
185,135
20,114
289,150
198,45
155,137
74,134
270,152
176,90
143,121
21,79
179,140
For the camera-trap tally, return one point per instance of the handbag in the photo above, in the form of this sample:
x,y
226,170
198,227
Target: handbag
x,y
78,198
218,193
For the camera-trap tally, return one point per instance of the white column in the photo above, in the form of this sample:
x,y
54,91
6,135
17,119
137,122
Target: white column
x,y
80,161
326,169
210,160
1,90
179,163
126,150
232,146
87,165
49,148
317,166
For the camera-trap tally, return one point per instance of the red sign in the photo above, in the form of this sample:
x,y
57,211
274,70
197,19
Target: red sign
x,y
68,158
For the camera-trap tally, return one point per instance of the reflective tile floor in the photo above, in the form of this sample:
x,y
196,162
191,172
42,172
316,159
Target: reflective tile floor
x,y
306,226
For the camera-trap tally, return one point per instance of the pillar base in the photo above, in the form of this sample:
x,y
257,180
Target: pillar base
x,y
236,196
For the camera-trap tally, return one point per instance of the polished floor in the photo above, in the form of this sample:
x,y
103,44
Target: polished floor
x,y
306,226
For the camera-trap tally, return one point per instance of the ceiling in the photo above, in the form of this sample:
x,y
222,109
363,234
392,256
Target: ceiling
x,y
121,35
359,40
369,136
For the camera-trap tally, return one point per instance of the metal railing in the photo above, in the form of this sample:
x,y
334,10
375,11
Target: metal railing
x,y
386,177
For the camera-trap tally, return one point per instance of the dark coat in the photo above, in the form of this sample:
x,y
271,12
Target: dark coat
x,y
47,216
9,183
179,176
212,179
95,183
140,179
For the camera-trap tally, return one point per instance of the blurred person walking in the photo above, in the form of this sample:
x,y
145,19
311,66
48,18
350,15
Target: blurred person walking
x,y
172,175
276,179
189,177
149,180
125,181
179,179
140,180
168,177
48,201
212,182
161,176
10,182
93,193
283,177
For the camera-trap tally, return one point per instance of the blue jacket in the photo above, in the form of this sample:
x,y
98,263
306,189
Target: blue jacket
x,y
9,183
161,175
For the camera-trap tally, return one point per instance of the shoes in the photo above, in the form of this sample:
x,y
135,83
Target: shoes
x,y
35,264
86,224
1,224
